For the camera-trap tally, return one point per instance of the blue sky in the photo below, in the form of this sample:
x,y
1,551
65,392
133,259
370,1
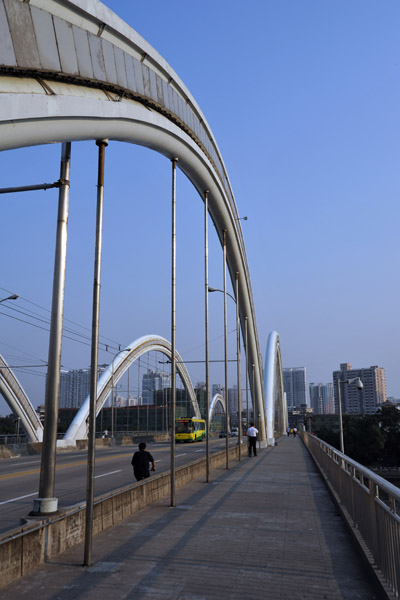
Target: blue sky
x,y
303,98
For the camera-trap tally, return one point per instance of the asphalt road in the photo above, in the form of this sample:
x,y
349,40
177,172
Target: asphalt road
x,y
19,477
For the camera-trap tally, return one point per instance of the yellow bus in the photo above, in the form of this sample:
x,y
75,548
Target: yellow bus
x,y
190,430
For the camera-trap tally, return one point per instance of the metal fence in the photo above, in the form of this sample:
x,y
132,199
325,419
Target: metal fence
x,y
372,503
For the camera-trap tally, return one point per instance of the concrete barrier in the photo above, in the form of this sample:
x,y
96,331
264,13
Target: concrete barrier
x,y
24,548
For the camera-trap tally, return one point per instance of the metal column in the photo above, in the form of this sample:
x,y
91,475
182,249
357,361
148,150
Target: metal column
x,y
94,357
247,374
173,331
226,356
206,337
46,503
238,367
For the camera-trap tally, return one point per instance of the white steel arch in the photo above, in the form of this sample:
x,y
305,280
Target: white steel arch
x,y
217,399
275,399
72,70
16,398
115,370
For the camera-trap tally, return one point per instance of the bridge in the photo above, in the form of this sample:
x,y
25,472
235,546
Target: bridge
x,y
73,71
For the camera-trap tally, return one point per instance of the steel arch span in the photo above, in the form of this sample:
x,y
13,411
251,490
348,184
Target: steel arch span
x,y
72,70
217,399
275,399
115,370
16,398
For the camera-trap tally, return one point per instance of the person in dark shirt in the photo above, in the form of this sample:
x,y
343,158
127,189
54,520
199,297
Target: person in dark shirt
x,y
141,461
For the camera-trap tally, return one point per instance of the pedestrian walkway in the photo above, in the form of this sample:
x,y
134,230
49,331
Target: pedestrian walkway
x,y
265,529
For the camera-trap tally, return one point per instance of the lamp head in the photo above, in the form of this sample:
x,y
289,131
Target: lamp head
x,y
357,381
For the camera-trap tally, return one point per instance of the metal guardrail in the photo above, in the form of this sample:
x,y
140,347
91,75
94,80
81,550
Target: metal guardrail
x,y
12,438
372,503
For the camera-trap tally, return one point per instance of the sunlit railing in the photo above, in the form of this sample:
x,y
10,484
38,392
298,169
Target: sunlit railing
x,y
371,502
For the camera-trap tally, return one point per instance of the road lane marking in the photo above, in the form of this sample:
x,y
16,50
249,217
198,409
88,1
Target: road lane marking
x,y
19,498
110,473
64,466
78,463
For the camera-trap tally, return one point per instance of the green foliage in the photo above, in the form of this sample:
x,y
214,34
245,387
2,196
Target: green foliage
x,y
371,440
7,425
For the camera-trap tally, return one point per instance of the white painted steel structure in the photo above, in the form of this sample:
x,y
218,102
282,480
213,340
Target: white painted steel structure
x,y
115,370
73,70
217,399
16,398
275,398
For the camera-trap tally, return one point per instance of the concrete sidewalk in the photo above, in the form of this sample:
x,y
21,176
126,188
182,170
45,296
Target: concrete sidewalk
x,y
265,529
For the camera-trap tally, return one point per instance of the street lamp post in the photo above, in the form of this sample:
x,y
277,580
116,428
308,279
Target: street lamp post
x,y
12,297
360,386
211,289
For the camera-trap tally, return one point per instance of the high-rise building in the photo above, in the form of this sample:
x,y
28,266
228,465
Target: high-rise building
x,y
75,386
233,400
217,388
321,398
294,384
153,381
356,401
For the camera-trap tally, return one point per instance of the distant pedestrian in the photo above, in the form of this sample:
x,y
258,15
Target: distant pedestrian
x,y
105,434
288,430
294,431
252,439
141,461
291,431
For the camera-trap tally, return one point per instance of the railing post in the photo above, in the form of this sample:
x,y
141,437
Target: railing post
x,y
372,510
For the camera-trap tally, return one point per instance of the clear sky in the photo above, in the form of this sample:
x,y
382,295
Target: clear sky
x,y
303,98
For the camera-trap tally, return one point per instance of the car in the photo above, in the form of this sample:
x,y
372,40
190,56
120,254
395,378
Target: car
x,y
222,434
235,432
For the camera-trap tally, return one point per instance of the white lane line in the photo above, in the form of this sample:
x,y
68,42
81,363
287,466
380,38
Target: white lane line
x,y
202,450
33,462
19,498
110,473
180,455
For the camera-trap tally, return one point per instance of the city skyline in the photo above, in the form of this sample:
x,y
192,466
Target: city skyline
x,y
312,155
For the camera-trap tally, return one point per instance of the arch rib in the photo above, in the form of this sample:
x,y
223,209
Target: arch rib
x,y
217,399
275,399
78,428
16,398
97,84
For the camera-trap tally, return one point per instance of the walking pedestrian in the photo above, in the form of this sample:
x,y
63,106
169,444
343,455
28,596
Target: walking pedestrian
x,y
252,439
141,461
288,430
294,431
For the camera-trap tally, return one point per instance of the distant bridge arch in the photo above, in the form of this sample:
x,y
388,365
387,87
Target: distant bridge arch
x,y
16,398
217,399
275,399
149,343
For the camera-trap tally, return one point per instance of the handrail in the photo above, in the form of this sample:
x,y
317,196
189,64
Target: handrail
x,y
371,502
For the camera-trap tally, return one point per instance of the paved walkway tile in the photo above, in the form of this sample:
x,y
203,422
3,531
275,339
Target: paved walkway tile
x,y
265,529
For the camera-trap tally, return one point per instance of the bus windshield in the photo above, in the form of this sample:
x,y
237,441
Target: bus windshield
x,y
183,427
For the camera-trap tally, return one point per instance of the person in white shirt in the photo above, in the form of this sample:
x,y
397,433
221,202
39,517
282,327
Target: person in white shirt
x,y
252,439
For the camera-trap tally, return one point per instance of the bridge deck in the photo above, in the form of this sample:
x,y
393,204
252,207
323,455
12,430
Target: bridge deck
x,y
265,529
